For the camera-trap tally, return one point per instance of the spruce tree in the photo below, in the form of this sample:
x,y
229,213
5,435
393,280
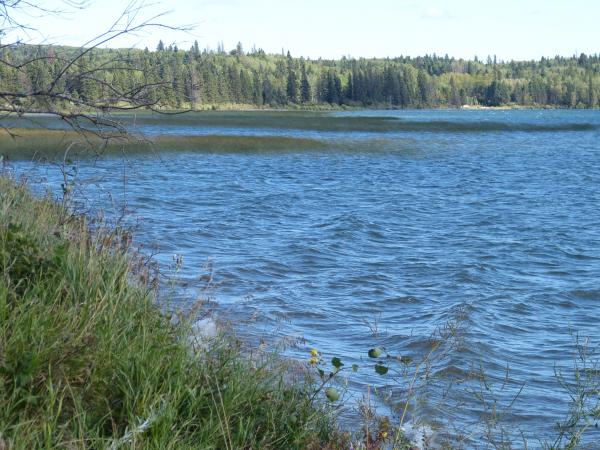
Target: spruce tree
x,y
591,95
239,49
423,88
455,95
292,80
304,85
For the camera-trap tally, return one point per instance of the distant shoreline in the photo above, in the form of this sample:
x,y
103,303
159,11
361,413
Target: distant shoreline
x,y
313,109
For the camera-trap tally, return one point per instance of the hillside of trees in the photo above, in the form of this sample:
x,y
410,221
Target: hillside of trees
x,y
195,78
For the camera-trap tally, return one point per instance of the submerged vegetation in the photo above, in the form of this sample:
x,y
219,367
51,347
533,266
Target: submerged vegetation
x,y
42,144
42,137
87,359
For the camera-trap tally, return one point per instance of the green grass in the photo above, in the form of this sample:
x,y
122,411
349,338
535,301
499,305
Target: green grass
x,y
87,359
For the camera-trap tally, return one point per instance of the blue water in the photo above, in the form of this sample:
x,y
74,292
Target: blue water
x,y
403,231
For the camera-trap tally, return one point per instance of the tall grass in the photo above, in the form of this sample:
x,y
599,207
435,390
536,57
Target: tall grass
x,y
87,360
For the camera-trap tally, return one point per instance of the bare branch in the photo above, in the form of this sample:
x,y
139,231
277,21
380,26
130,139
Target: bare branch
x,y
75,70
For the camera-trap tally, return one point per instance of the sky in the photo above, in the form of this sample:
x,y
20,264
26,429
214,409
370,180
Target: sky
x,y
510,29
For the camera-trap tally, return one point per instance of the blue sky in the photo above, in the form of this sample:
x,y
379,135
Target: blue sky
x,y
511,29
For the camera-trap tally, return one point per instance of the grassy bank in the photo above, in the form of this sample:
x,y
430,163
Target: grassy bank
x,y
87,360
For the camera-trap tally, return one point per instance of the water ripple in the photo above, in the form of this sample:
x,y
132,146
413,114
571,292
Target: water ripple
x,y
498,228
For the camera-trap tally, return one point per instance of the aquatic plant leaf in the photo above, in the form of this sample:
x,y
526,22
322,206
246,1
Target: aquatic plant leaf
x,y
332,394
336,362
381,369
375,352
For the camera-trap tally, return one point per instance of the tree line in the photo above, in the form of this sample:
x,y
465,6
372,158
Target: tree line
x,y
194,78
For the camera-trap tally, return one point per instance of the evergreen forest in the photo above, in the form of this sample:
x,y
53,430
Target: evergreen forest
x,y
174,78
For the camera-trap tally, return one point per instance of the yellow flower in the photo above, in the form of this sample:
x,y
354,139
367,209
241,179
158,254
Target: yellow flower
x,y
384,435
313,361
314,353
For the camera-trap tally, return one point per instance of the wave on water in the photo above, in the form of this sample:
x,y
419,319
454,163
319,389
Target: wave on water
x,y
384,235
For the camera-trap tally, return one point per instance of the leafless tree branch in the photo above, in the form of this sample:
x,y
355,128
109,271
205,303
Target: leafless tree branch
x,y
72,68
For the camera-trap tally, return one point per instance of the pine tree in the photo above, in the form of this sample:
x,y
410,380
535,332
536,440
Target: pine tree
x,y
292,80
258,78
349,91
246,87
267,92
423,88
391,87
304,85
497,94
409,80
455,95
235,85
257,95
239,49
591,94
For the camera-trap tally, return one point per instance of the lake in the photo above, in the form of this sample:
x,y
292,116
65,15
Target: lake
x,y
394,225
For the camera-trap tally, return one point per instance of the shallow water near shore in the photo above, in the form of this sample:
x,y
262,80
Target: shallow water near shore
x,y
399,220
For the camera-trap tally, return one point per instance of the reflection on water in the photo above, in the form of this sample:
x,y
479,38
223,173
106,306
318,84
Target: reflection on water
x,y
491,216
